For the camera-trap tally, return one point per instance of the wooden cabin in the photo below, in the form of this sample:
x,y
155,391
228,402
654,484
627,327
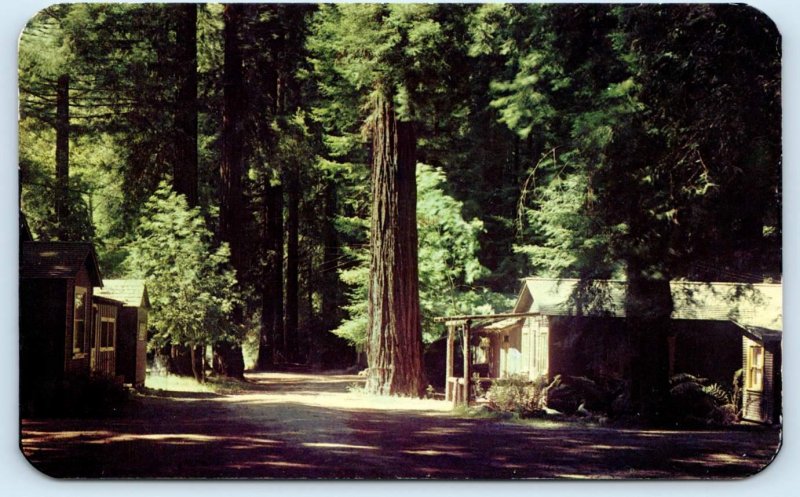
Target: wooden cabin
x,y
131,358
103,344
579,328
56,289
762,392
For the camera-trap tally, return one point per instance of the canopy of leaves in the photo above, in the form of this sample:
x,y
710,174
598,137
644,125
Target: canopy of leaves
x,y
191,285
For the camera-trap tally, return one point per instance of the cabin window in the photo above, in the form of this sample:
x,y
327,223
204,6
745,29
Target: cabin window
x,y
79,328
755,368
107,328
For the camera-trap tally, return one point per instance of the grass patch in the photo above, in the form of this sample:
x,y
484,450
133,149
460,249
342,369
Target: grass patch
x,y
187,384
173,383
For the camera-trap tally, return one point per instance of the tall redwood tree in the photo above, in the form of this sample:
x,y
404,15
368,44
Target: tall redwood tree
x,y
228,355
394,347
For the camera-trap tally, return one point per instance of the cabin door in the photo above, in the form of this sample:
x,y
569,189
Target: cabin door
x,y
95,342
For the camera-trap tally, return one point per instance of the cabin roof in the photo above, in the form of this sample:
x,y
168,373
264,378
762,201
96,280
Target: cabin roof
x,y
58,260
132,293
105,300
758,305
499,326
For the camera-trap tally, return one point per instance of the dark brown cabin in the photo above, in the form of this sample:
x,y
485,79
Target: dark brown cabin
x,y
103,354
131,357
578,328
56,288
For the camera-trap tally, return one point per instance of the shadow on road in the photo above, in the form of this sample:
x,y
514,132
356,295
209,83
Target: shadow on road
x,y
310,426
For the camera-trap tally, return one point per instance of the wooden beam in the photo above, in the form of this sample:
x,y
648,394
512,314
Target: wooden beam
x,y
467,361
487,317
449,368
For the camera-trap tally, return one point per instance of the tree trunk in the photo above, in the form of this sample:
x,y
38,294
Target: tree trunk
x,y
330,256
61,196
292,263
326,345
272,286
394,346
648,307
180,362
184,174
230,361
198,374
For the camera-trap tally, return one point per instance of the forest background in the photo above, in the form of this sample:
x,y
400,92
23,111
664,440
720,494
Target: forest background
x,y
773,480
224,153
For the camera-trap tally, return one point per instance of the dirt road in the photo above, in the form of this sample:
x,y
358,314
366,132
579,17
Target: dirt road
x,y
309,426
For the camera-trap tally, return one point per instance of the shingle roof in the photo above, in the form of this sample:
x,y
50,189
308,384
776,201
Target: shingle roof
x,y
754,305
133,293
57,260
499,326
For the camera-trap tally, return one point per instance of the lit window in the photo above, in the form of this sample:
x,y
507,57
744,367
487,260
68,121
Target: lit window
x,y
79,327
755,368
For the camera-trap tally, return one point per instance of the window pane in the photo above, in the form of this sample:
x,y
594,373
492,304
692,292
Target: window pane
x,y
756,369
79,326
80,303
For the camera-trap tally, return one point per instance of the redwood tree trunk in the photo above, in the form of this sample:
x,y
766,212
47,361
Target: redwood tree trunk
x,y
229,359
648,307
184,174
292,262
394,346
61,197
272,286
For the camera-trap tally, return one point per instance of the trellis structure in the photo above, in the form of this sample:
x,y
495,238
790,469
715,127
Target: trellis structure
x,y
458,389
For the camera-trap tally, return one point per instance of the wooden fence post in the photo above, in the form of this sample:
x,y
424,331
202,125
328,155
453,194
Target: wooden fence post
x,y
449,369
467,361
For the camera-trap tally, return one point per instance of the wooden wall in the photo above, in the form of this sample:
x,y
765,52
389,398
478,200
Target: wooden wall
x,y
41,328
131,346
80,363
763,406
105,357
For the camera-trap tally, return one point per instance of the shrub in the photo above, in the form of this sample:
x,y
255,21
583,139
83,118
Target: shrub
x,y
516,394
694,401
602,395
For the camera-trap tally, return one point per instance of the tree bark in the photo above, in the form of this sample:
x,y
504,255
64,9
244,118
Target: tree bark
x,y
272,286
394,346
184,174
648,307
61,197
229,359
330,256
199,374
292,263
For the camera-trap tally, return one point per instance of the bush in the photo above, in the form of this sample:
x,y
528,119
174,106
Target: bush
x,y
516,394
604,396
693,401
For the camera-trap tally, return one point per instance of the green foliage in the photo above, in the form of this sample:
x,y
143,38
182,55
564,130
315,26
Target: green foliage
x,y
517,394
191,285
448,264
564,140
694,401
595,87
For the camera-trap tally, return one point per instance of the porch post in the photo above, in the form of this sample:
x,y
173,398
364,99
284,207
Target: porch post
x,y
467,361
449,369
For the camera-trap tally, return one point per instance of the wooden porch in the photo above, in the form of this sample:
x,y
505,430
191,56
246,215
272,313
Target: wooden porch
x,y
459,389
